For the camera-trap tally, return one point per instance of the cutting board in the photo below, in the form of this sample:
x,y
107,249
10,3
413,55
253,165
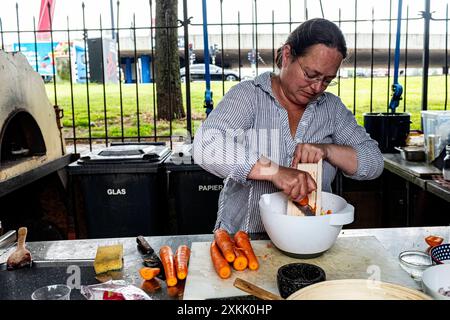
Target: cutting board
x,y
349,258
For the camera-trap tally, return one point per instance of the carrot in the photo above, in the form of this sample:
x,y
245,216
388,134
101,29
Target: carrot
x,y
225,244
166,255
304,201
241,261
149,273
150,286
221,265
181,261
243,242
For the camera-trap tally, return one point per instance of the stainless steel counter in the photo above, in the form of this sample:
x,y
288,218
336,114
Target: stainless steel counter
x,y
418,173
395,240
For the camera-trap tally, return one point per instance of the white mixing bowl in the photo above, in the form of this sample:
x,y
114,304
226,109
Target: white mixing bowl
x,y
435,278
304,237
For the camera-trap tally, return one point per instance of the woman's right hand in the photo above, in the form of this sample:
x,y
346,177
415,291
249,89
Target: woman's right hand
x,y
296,184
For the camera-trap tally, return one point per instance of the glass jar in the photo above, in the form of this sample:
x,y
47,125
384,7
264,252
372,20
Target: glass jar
x,y
446,166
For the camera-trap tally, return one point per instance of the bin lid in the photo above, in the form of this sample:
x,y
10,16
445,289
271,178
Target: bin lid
x,y
127,153
181,159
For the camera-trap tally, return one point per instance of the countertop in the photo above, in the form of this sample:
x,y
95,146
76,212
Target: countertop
x,y
394,240
420,169
418,173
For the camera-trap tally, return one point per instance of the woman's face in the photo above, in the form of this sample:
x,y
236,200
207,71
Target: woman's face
x,y
304,78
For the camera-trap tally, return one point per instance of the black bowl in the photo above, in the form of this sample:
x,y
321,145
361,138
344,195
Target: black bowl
x,y
295,276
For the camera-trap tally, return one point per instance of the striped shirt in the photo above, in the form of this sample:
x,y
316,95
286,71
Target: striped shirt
x,y
248,123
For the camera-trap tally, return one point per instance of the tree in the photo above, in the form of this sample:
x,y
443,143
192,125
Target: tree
x,y
167,63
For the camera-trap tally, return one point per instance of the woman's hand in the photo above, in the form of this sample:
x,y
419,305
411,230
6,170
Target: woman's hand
x,y
343,157
294,183
309,153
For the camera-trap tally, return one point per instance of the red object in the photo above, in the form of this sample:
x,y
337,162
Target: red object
x,y
304,201
45,19
433,241
109,295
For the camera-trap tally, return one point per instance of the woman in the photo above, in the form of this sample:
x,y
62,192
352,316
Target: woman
x,y
263,128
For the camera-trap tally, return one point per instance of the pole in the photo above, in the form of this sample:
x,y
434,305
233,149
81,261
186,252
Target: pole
x,y
113,36
426,53
397,42
187,58
208,104
397,89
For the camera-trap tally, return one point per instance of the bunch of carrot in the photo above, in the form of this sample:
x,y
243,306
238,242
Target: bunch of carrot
x,y
237,251
175,265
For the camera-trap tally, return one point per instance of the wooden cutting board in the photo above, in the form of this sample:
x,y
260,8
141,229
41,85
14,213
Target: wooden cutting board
x,y
349,258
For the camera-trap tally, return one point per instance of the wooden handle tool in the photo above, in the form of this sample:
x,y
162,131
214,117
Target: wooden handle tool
x,y
21,257
255,290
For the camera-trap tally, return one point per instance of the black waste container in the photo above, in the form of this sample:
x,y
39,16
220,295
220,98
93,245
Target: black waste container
x,y
120,191
193,193
390,130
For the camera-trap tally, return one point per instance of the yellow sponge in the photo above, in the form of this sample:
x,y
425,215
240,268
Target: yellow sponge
x,y
108,258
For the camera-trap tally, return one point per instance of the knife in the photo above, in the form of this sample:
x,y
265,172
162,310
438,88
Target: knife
x,y
149,256
7,241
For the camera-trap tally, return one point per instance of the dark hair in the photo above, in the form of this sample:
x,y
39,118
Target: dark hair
x,y
311,32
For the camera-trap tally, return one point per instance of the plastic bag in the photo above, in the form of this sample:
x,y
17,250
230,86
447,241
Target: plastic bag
x,y
113,290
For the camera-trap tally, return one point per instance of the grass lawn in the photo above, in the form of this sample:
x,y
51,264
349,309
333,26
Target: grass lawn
x,y
113,110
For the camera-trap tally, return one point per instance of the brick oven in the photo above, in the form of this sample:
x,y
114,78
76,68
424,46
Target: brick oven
x,y
32,148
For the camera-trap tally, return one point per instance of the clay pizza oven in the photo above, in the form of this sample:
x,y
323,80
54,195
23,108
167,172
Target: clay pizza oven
x,y
30,134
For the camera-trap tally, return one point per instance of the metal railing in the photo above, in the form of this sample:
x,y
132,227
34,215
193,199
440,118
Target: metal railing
x,y
106,114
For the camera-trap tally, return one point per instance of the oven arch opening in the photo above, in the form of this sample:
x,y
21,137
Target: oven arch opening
x,y
20,138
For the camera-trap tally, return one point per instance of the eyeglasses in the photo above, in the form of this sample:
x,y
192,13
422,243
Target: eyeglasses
x,y
322,80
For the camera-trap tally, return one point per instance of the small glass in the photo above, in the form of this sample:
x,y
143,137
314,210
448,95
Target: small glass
x,y
52,292
415,263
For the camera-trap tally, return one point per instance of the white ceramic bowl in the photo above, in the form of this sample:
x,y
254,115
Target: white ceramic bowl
x,y
304,237
434,278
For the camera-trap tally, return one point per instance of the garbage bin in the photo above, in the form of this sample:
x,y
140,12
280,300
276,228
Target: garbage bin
x,y
390,130
193,193
120,191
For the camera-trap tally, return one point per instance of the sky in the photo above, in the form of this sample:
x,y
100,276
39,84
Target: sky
x,y
265,8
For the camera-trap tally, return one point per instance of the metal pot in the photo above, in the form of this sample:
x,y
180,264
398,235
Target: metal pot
x,y
412,153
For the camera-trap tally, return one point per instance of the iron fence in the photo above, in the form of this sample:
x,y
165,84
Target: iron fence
x,y
98,113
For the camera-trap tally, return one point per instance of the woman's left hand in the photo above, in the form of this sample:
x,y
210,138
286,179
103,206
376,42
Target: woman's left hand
x,y
309,153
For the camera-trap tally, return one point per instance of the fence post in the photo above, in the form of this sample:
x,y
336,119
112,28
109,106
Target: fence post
x,y
426,53
186,22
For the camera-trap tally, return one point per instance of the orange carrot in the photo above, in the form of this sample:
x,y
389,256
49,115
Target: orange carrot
x,y
149,273
150,286
181,261
221,265
166,255
225,244
241,261
243,242
304,201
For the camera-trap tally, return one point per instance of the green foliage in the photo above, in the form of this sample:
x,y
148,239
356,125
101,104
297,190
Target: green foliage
x,y
63,68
